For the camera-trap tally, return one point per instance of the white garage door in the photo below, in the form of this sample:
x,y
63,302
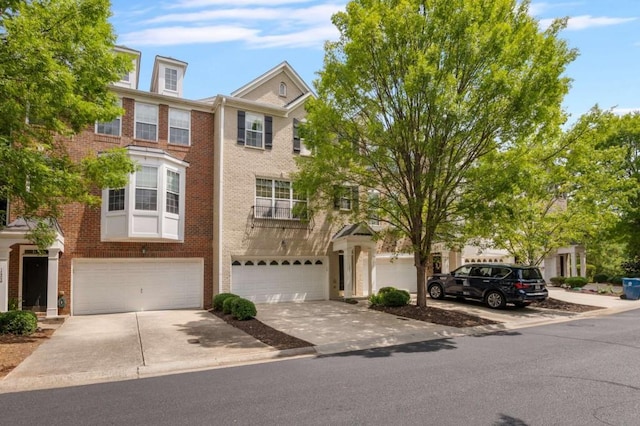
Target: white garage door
x,y
399,273
280,280
126,285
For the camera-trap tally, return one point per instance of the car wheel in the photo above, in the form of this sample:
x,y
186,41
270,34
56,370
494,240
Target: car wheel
x,y
436,291
522,304
495,300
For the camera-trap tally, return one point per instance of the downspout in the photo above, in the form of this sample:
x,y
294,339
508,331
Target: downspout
x,y
220,194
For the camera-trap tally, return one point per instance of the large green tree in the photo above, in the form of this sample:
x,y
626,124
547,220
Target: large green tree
x,y
56,63
543,193
414,92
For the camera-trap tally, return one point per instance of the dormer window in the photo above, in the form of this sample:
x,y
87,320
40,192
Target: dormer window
x,y
283,89
171,79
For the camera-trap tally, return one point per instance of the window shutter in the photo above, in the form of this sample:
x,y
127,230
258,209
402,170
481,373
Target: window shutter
x,y
268,132
354,198
336,197
241,127
296,136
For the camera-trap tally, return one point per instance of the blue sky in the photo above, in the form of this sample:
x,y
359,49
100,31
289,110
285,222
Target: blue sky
x,y
228,43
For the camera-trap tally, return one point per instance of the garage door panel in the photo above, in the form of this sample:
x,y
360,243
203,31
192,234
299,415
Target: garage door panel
x,y
119,285
401,274
280,283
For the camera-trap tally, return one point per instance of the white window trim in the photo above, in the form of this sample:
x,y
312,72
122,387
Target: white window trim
x,y
167,89
247,114
292,201
136,121
282,89
183,128
162,162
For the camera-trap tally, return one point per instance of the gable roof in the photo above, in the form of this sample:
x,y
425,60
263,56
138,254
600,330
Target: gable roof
x,y
283,67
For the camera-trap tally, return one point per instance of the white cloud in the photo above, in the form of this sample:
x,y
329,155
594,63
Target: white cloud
x,y
313,37
583,22
169,36
624,111
319,13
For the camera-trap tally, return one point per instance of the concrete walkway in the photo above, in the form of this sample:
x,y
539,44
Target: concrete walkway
x,y
98,348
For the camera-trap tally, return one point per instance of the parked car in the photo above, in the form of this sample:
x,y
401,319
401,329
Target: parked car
x,y
495,284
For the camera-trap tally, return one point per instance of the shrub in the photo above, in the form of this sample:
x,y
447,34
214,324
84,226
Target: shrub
x,y
226,305
575,282
395,298
242,309
375,299
616,280
18,322
600,278
384,290
219,299
558,281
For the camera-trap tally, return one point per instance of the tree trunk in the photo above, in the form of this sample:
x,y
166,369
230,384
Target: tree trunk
x,y
421,275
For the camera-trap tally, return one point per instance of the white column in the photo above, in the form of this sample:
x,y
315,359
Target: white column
x,y
372,270
348,272
4,279
574,266
583,264
52,283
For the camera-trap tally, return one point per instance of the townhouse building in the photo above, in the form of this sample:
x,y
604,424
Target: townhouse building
x,y
210,209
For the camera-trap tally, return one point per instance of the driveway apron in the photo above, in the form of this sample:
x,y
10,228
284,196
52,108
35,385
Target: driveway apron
x,y
97,348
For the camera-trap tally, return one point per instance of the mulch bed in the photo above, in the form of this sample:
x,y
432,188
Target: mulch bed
x,y
264,333
14,349
435,315
560,305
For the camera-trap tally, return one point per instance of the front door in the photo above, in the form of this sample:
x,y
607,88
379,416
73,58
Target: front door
x,y
341,269
35,271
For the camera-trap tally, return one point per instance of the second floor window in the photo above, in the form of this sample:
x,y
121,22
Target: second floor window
x,y
173,192
276,199
147,188
146,122
116,200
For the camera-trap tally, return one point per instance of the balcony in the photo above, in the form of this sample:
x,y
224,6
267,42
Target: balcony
x,y
281,217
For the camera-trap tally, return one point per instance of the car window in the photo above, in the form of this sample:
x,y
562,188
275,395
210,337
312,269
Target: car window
x,y
500,272
463,271
481,271
530,274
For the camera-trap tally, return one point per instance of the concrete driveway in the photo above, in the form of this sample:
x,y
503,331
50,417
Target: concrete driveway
x,y
96,348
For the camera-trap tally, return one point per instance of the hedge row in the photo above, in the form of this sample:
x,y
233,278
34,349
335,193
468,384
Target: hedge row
x,y
229,303
18,322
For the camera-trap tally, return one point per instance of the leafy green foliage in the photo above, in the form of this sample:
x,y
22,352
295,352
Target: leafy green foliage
x,y
557,281
18,322
600,278
227,304
631,268
413,94
57,62
575,282
390,296
218,300
243,309
541,194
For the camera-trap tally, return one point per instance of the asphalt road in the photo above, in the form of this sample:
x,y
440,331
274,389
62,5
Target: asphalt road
x,y
579,373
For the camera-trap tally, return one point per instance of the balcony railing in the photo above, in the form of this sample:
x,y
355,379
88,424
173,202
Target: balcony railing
x,y
281,217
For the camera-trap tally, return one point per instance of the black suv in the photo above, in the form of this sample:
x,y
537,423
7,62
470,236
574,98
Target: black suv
x,y
495,284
